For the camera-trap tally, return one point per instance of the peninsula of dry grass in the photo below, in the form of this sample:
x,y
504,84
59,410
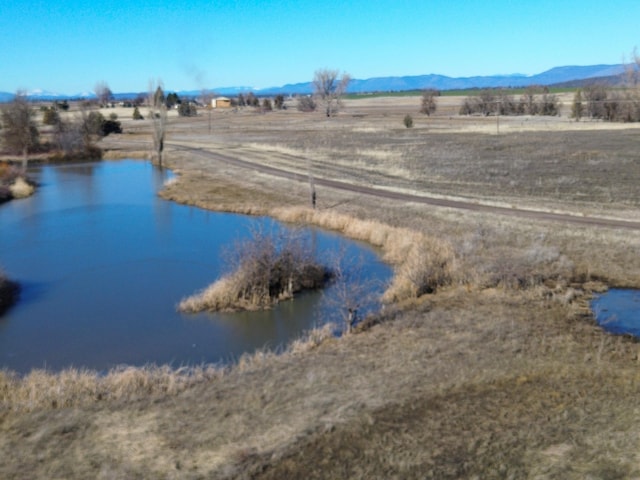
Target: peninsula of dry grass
x,y
486,362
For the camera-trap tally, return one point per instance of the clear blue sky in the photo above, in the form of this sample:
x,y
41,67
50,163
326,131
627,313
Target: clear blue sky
x,y
67,46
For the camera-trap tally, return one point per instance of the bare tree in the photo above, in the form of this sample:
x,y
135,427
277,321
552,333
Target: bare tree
x,y
329,87
632,70
19,128
306,104
158,115
352,294
596,97
103,92
428,105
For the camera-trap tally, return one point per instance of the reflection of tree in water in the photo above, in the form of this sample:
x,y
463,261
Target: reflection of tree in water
x,y
86,189
354,293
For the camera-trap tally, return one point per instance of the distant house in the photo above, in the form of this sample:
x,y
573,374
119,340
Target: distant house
x,y
220,102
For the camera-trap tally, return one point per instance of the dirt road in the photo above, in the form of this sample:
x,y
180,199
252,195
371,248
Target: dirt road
x,y
387,193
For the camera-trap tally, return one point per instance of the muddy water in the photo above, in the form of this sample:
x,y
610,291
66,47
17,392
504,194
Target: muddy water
x,y
103,261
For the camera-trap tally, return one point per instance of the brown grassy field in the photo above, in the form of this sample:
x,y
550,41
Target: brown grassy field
x,y
501,373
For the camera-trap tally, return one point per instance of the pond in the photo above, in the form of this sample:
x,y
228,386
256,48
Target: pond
x,y
103,261
618,310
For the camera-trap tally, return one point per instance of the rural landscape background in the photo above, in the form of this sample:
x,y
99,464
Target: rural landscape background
x,y
504,207
486,359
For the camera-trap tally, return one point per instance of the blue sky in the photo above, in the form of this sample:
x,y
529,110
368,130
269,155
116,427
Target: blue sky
x,y
69,45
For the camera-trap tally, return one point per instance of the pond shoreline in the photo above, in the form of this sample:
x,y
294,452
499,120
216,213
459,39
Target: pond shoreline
x,y
184,249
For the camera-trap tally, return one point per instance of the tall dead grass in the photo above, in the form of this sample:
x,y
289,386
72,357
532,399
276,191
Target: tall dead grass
x,y
12,183
422,263
72,387
20,188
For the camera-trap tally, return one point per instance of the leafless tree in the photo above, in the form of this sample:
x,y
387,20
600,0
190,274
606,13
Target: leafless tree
x,y
632,70
306,104
158,115
428,105
19,130
103,93
352,294
275,265
329,87
76,137
596,97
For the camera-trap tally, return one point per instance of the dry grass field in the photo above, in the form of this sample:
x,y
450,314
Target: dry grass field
x,y
499,372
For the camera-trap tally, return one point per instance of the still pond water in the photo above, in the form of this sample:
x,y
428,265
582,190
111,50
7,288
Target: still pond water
x,y
103,262
618,310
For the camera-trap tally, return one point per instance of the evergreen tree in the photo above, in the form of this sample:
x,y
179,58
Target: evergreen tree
x,y
136,114
577,108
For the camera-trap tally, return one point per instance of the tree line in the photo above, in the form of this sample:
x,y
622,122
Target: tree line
x,y
609,104
71,136
534,101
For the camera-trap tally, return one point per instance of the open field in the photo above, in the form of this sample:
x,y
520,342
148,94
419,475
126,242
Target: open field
x,y
501,373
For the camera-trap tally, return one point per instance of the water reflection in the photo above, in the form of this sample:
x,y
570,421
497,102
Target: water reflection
x,y
103,261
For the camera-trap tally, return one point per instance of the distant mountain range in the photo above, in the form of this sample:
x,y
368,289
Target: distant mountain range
x,y
566,76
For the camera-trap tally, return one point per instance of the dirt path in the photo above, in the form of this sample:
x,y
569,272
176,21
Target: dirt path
x,y
385,193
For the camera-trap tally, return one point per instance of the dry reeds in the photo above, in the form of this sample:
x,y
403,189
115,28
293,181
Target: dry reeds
x,y
72,387
12,183
20,188
422,262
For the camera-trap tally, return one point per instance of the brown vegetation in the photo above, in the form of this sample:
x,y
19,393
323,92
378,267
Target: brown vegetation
x,y
265,269
13,183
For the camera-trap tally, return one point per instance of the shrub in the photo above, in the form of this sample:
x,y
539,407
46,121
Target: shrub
x,y
64,105
306,104
266,105
252,100
264,270
50,116
428,105
408,121
111,126
186,109
136,114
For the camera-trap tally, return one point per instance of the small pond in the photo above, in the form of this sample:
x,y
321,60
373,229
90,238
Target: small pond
x,y
618,310
103,262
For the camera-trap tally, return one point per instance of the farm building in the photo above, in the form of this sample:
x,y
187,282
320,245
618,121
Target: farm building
x,y
221,102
